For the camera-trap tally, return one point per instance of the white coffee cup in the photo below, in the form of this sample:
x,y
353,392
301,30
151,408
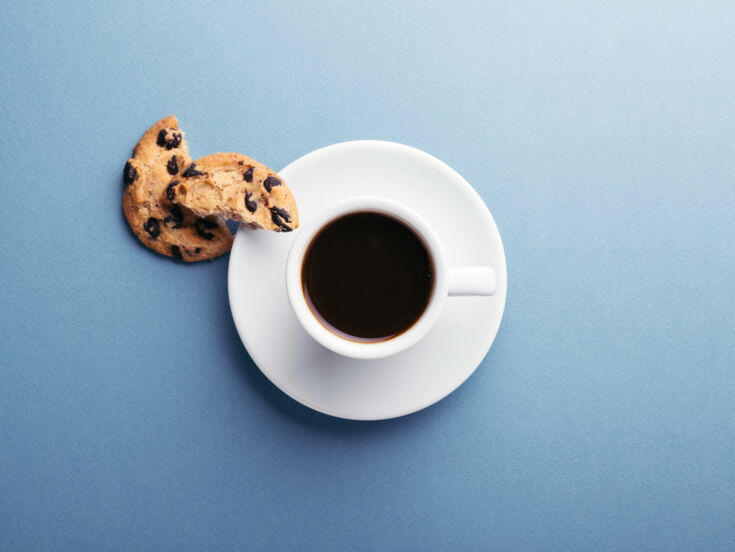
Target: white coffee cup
x,y
447,281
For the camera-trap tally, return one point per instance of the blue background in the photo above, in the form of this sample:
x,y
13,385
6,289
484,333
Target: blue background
x,y
601,136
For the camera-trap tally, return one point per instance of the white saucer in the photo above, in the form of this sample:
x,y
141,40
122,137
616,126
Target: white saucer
x,y
413,379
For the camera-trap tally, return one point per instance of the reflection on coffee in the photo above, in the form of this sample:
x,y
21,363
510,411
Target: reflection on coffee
x,y
367,277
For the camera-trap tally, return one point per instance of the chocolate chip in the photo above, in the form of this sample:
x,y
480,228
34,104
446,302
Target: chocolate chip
x,y
197,251
171,190
176,252
175,219
278,215
281,213
270,183
201,231
209,224
152,227
248,175
168,141
161,140
173,165
129,174
192,171
240,162
251,205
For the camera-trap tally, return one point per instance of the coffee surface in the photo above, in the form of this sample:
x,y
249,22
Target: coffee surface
x,y
367,277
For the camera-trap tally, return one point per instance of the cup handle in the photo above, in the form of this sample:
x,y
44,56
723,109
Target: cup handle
x,y
472,280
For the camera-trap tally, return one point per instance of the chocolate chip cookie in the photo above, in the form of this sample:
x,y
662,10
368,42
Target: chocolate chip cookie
x,y
160,158
236,187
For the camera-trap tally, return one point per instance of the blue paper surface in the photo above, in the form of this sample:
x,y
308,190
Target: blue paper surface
x,y
601,136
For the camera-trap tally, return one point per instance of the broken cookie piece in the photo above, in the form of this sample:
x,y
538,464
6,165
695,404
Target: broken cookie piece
x,y
234,186
149,178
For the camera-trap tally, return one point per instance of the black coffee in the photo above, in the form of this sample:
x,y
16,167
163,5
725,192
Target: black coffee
x,y
367,277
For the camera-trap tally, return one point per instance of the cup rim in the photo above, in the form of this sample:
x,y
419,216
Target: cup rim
x,y
341,345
